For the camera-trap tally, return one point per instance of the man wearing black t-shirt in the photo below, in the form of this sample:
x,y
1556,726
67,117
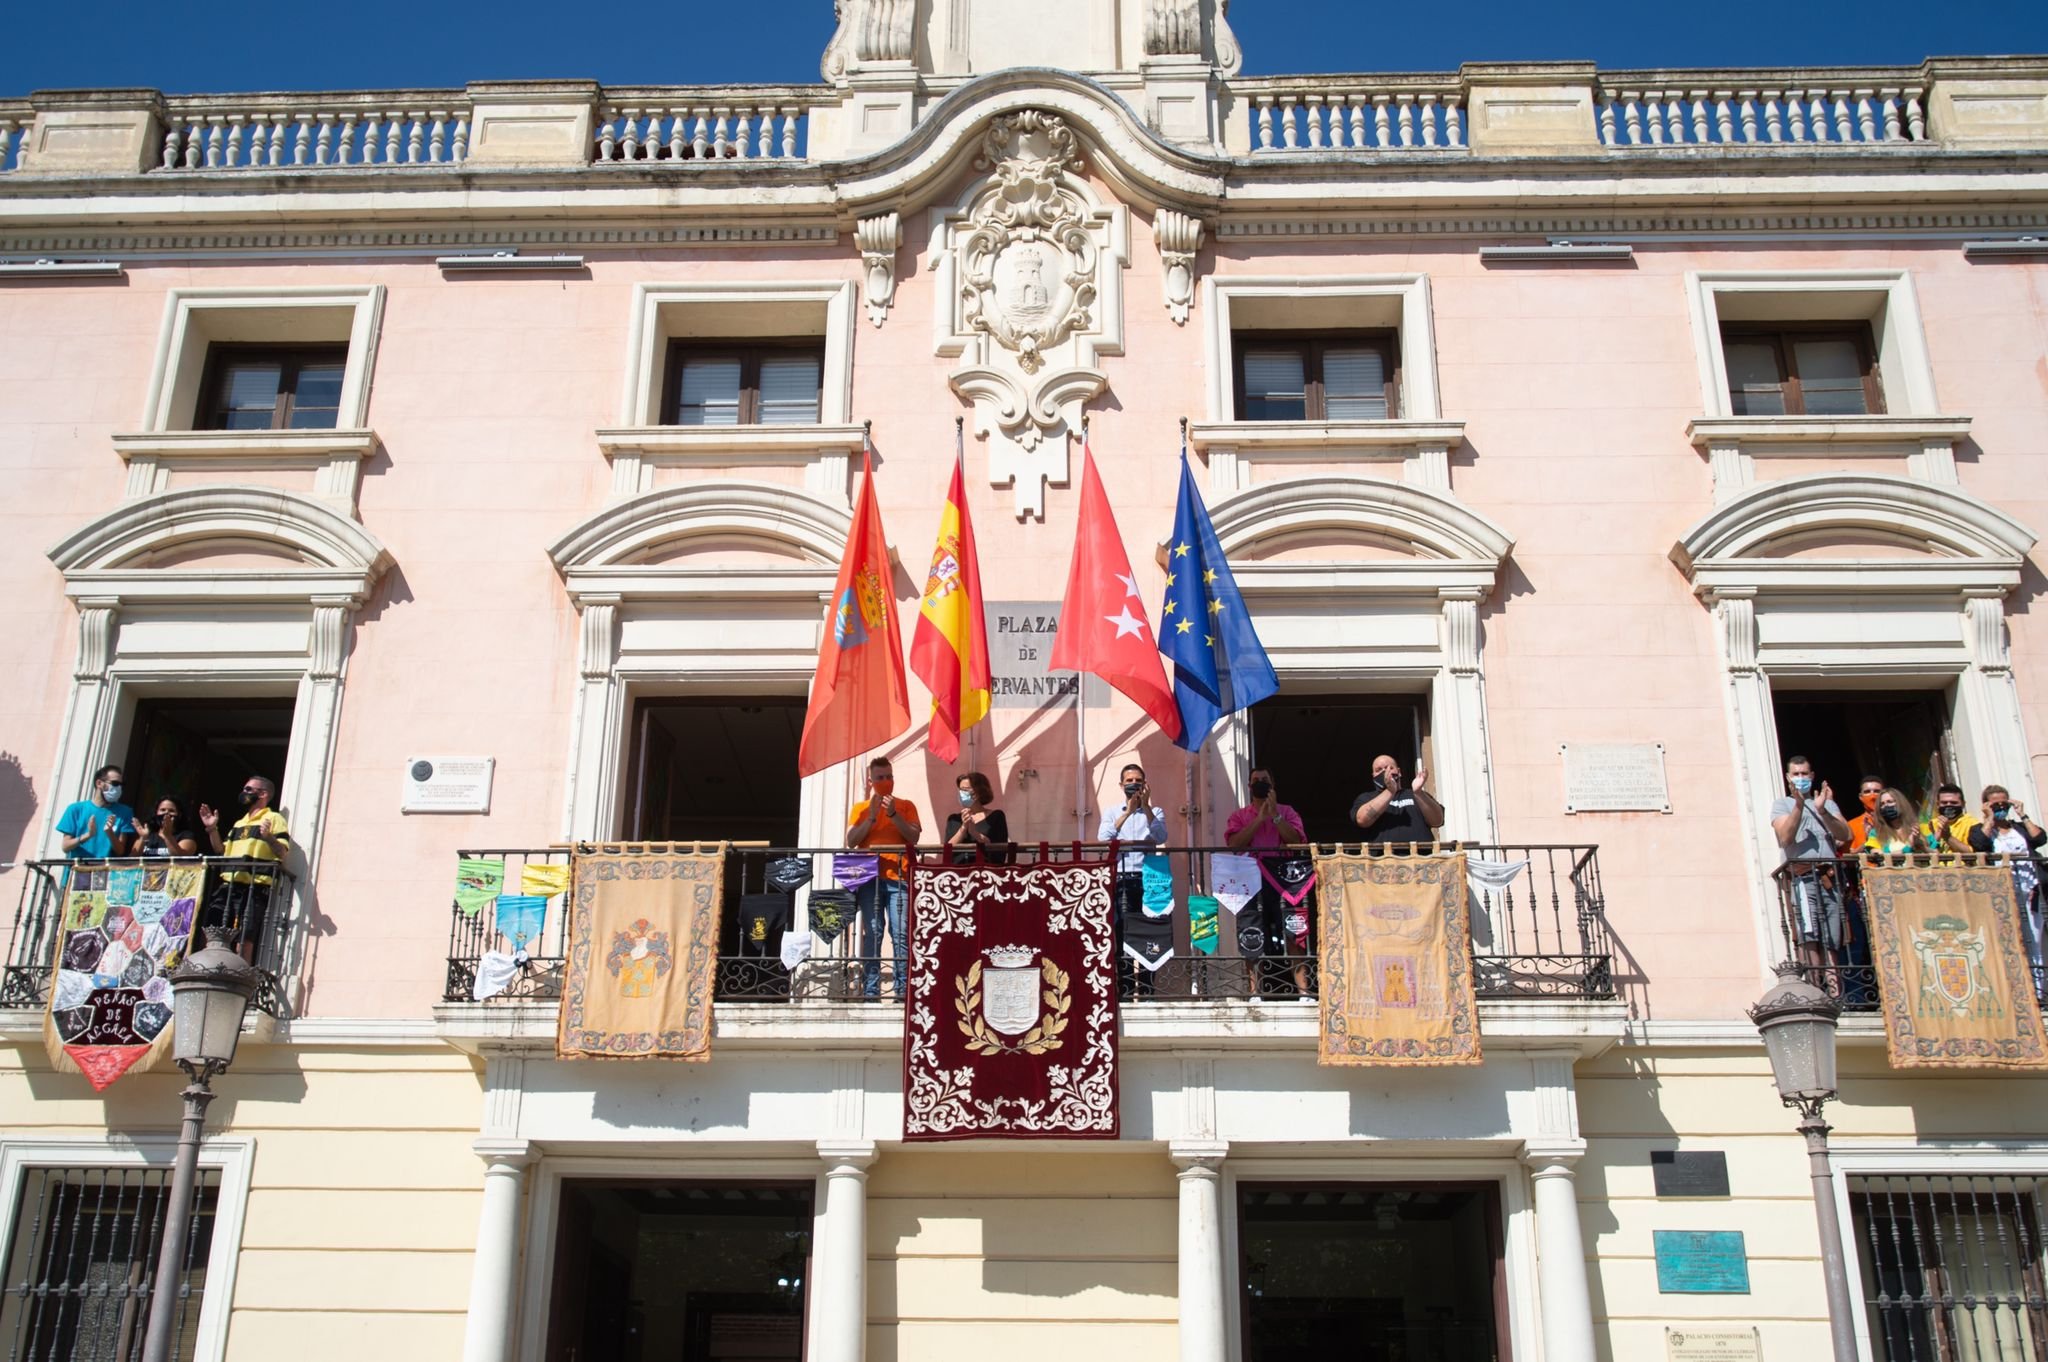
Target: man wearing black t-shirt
x,y
1397,810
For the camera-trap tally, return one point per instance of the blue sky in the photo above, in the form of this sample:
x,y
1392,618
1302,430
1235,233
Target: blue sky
x,y
232,46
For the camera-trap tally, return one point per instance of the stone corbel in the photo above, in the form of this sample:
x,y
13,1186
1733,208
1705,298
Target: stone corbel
x,y
600,636
329,637
95,640
1461,630
1736,611
879,238
1984,614
1180,237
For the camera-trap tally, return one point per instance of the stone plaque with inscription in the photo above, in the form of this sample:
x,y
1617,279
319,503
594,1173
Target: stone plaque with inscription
x,y
1020,639
1713,1343
1689,1172
1614,776
1701,1262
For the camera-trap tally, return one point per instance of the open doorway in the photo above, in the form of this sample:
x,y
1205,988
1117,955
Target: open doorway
x,y
200,750
1902,737
715,768
1320,750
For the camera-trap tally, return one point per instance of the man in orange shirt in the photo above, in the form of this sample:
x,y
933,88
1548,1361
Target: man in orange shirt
x,y
883,820
1867,792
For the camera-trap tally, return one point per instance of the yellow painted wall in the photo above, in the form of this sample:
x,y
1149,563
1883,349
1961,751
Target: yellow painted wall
x,y
363,1190
995,1257
1634,1100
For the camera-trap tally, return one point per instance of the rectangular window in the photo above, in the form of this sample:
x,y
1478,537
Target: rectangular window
x,y
269,387
1952,1268
1823,369
1372,1270
760,385
84,1250
1323,377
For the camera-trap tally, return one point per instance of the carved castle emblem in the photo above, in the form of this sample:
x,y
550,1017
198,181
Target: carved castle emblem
x,y
1028,266
1003,1008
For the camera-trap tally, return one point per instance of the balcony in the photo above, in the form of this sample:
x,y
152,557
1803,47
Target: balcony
x,y
1543,936
256,917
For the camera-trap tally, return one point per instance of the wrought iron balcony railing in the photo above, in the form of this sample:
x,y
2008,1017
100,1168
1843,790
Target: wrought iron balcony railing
x,y
1542,934
251,902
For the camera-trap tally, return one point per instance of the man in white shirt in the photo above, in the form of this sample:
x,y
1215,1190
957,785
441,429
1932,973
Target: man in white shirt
x,y
1137,826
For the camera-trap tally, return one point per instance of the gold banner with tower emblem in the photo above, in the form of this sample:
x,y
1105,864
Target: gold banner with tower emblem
x,y
1397,960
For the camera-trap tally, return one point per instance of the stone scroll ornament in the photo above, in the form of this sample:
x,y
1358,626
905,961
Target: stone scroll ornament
x,y
123,930
1952,968
1396,960
642,954
1010,1028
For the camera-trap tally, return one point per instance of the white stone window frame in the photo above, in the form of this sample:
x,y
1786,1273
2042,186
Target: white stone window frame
x,y
640,1165
1419,441
1912,425
760,308
233,1155
195,320
1518,1223
1873,1158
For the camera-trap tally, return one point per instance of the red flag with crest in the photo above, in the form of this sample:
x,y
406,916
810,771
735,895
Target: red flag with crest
x,y
1103,628
860,697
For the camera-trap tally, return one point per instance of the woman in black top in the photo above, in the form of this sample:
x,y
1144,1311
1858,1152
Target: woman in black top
x,y
977,826
165,834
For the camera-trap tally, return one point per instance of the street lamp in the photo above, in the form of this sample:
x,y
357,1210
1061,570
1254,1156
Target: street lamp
x,y
210,992
1797,1022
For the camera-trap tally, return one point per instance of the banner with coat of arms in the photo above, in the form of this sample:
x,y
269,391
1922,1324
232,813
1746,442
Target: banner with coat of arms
x,y
1952,969
1396,960
1010,1029
642,953
123,929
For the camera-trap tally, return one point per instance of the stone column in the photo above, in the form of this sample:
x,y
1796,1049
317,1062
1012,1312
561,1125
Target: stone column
x,y
1201,1250
494,1275
839,1302
1561,1255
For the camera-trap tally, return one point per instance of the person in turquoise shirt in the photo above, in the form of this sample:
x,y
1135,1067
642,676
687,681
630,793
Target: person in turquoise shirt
x,y
97,828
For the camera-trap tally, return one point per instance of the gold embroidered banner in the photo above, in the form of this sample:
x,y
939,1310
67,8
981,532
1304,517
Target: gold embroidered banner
x,y
1952,968
642,954
1396,960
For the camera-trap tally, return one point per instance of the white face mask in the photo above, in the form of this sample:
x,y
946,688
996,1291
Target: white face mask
x,y
966,798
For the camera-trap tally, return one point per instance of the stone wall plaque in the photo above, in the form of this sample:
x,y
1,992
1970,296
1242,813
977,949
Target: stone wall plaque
x,y
1713,1343
1701,1262
447,785
1689,1172
1020,638
1605,777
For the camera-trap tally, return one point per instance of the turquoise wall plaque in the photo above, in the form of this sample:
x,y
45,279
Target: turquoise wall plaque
x,y
1701,1262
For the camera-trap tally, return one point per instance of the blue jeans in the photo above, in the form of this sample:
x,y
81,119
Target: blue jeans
x,y
893,902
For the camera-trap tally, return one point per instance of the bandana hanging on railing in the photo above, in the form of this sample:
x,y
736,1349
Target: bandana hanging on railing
x,y
478,880
545,878
1235,879
521,917
852,869
1202,915
1156,884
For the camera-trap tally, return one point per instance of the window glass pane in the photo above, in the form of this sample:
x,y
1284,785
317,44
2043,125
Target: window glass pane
x,y
249,392
1354,384
789,389
1754,388
1275,386
316,398
1830,376
711,393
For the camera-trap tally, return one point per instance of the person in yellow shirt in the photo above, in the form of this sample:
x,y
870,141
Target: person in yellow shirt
x,y
883,820
1949,825
240,898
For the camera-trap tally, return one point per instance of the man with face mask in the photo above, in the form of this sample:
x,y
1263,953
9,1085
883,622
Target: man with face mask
x,y
1867,791
240,897
1396,810
94,829
883,820
1809,828
1137,825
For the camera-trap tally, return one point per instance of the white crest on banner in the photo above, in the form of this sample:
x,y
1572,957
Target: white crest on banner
x,y
1010,997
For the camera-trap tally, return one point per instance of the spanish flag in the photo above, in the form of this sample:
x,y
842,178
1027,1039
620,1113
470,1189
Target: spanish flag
x,y
860,698
949,652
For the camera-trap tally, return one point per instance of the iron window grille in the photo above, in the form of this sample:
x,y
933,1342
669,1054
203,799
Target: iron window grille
x,y
1952,1268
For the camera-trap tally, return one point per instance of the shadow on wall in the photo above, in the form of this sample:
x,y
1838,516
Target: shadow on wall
x,y
17,807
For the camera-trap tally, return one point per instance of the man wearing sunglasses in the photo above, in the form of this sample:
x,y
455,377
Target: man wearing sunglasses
x,y
240,897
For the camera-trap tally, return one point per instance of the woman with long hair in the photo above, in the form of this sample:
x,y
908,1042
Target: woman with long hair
x,y
1894,825
164,833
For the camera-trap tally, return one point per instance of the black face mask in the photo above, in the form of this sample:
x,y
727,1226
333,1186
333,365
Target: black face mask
x,y
248,798
2000,810
1946,812
1888,812
1261,788
1132,787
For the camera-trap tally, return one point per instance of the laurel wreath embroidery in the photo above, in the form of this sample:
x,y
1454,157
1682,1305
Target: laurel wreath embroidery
x,y
1039,1040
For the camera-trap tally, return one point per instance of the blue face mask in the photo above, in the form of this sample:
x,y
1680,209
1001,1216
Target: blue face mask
x,y
113,791
966,798
1803,784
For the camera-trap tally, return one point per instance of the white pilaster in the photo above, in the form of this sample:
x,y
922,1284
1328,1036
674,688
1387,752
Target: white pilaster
x,y
81,741
593,746
493,1294
1201,1249
1463,778
1567,1306
839,1299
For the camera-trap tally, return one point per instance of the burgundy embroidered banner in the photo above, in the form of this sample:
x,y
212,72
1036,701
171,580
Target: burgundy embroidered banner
x,y
124,929
643,953
1011,1025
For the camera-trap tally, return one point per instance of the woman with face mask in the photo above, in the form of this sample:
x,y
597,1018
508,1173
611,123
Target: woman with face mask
x,y
979,829
1893,827
165,835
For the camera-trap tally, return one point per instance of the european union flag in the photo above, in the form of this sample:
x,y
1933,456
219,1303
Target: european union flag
x,y
1219,665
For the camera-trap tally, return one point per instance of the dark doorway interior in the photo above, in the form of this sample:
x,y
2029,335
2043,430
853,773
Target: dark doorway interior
x,y
715,768
1320,750
680,1272
1372,1272
199,751
1901,736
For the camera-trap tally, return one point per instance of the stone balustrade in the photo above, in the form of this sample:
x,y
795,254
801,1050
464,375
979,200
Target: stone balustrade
x,y
1761,108
15,121
756,124
1349,113
267,131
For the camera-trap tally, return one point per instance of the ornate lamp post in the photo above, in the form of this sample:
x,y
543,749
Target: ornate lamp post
x,y
1797,1022
210,992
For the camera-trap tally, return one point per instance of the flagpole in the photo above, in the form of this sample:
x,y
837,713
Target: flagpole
x,y
960,464
1194,809
1081,723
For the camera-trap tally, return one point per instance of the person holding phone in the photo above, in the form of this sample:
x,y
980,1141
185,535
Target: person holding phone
x,y
100,827
1397,811
2006,830
883,820
164,834
1137,826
